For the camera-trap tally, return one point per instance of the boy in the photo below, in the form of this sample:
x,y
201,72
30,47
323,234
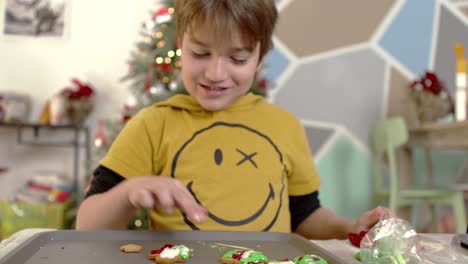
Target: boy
x,y
227,159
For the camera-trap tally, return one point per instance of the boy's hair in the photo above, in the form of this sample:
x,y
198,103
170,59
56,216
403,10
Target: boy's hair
x,y
254,19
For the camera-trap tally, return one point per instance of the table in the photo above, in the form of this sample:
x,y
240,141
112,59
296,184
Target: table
x,y
340,248
452,135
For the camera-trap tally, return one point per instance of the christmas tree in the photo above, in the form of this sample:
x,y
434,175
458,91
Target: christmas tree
x,y
154,68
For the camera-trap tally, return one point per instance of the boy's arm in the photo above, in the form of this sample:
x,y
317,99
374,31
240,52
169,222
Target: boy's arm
x,y
325,224
103,180
112,201
109,210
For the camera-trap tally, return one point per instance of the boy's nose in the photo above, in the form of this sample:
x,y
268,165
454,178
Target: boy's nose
x,y
216,70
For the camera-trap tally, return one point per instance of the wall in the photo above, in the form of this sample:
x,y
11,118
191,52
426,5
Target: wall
x,y
338,65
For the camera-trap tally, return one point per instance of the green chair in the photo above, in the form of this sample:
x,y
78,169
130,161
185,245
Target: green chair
x,y
386,137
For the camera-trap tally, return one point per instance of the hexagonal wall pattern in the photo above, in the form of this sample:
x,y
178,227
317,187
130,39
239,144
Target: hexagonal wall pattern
x,y
341,90
464,9
317,137
353,170
409,36
275,64
452,29
398,102
342,65
311,27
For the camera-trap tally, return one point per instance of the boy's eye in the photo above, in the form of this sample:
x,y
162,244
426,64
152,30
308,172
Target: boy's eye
x,y
199,54
238,60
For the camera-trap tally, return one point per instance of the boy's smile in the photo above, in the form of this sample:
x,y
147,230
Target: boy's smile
x,y
217,73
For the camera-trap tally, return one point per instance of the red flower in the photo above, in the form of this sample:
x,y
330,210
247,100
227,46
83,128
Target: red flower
x,y
428,83
262,84
431,83
80,90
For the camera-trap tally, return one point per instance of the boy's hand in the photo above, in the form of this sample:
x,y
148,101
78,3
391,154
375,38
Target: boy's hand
x,y
370,218
165,193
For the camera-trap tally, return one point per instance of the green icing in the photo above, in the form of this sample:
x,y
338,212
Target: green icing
x,y
309,259
230,253
185,254
256,256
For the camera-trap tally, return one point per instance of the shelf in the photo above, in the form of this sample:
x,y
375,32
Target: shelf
x,y
38,126
74,143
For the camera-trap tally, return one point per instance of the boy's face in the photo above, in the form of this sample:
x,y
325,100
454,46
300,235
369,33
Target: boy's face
x,y
217,76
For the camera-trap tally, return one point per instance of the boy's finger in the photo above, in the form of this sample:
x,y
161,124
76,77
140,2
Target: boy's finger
x,y
191,208
142,198
165,201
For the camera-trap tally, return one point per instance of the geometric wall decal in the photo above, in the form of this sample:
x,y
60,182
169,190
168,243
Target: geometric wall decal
x,y
312,27
451,31
343,90
274,65
317,137
464,9
398,96
345,187
409,35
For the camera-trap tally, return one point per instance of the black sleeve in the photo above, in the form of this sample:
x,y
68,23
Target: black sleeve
x,y
301,207
103,180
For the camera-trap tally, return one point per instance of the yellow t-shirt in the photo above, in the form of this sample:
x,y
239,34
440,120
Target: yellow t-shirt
x,y
240,163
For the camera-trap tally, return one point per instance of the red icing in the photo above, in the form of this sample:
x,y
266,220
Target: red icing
x,y
238,255
158,251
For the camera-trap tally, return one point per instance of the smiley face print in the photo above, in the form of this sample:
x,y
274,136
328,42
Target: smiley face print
x,y
237,173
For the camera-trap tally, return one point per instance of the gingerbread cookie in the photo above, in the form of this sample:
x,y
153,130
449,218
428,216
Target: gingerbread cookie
x,y
169,254
130,248
241,256
309,259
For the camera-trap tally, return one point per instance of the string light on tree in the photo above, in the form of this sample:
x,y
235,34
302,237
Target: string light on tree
x,y
100,137
131,101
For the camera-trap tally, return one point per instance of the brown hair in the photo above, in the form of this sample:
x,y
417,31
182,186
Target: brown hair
x,y
255,19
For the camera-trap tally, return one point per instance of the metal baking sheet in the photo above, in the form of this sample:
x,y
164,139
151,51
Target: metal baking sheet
x,y
78,247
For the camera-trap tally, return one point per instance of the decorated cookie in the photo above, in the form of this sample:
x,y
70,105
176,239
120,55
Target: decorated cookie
x,y
280,262
241,256
308,259
169,254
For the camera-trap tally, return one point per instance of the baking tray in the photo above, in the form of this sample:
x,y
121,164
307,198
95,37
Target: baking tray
x,y
78,247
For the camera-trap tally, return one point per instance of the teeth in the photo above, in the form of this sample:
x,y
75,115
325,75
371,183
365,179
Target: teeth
x,y
215,88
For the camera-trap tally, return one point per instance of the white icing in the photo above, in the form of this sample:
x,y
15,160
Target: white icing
x,y
174,251
169,253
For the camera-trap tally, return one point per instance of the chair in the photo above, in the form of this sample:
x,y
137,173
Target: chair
x,y
386,137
